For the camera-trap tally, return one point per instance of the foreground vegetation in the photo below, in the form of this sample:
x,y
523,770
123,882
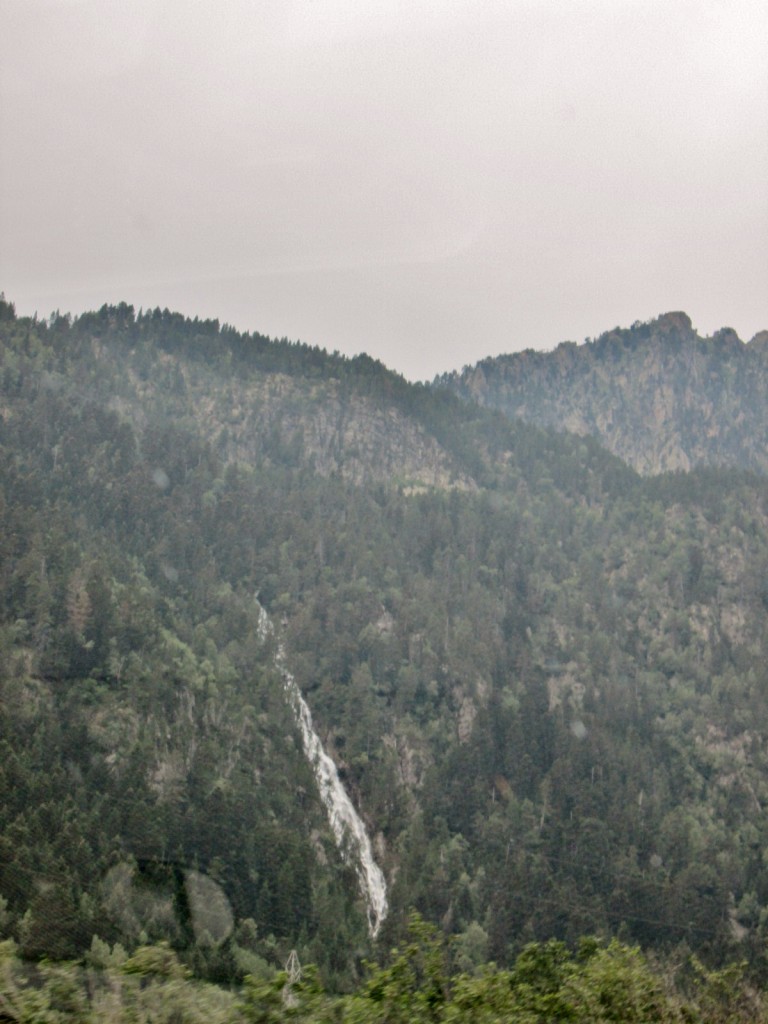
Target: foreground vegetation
x,y
593,984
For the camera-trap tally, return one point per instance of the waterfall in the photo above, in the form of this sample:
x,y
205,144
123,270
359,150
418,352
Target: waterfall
x,y
348,829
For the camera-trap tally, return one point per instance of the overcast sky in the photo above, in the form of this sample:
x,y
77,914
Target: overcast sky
x,y
430,182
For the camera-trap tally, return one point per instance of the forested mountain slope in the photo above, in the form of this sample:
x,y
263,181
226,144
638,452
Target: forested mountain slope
x,y
544,678
657,394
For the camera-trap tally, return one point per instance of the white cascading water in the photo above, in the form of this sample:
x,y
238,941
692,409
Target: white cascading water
x,y
347,827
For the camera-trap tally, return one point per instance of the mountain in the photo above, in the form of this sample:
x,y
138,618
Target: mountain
x,y
657,394
541,678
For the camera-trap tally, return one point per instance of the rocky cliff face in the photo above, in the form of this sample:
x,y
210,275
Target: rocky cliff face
x,y
362,440
657,394
318,423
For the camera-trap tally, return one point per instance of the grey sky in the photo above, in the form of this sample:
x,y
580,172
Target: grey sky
x,y
429,182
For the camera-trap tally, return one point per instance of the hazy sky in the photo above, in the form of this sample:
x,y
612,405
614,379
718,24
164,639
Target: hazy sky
x,y
430,182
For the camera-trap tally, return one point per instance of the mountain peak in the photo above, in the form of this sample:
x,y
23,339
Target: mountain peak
x,y
658,395
675,321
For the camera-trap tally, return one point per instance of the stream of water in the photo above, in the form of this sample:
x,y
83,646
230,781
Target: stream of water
x,y
348,829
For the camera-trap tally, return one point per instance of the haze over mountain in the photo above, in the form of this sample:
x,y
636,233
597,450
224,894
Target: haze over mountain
x,y
656,394
430,182
543,677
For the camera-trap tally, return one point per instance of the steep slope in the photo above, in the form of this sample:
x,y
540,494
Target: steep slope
x,y
657,395
542,678
255,400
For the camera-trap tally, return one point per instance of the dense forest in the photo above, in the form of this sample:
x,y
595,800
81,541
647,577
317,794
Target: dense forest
x,y
543,679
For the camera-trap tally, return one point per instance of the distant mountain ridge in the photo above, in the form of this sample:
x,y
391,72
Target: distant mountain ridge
x,y
656,394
